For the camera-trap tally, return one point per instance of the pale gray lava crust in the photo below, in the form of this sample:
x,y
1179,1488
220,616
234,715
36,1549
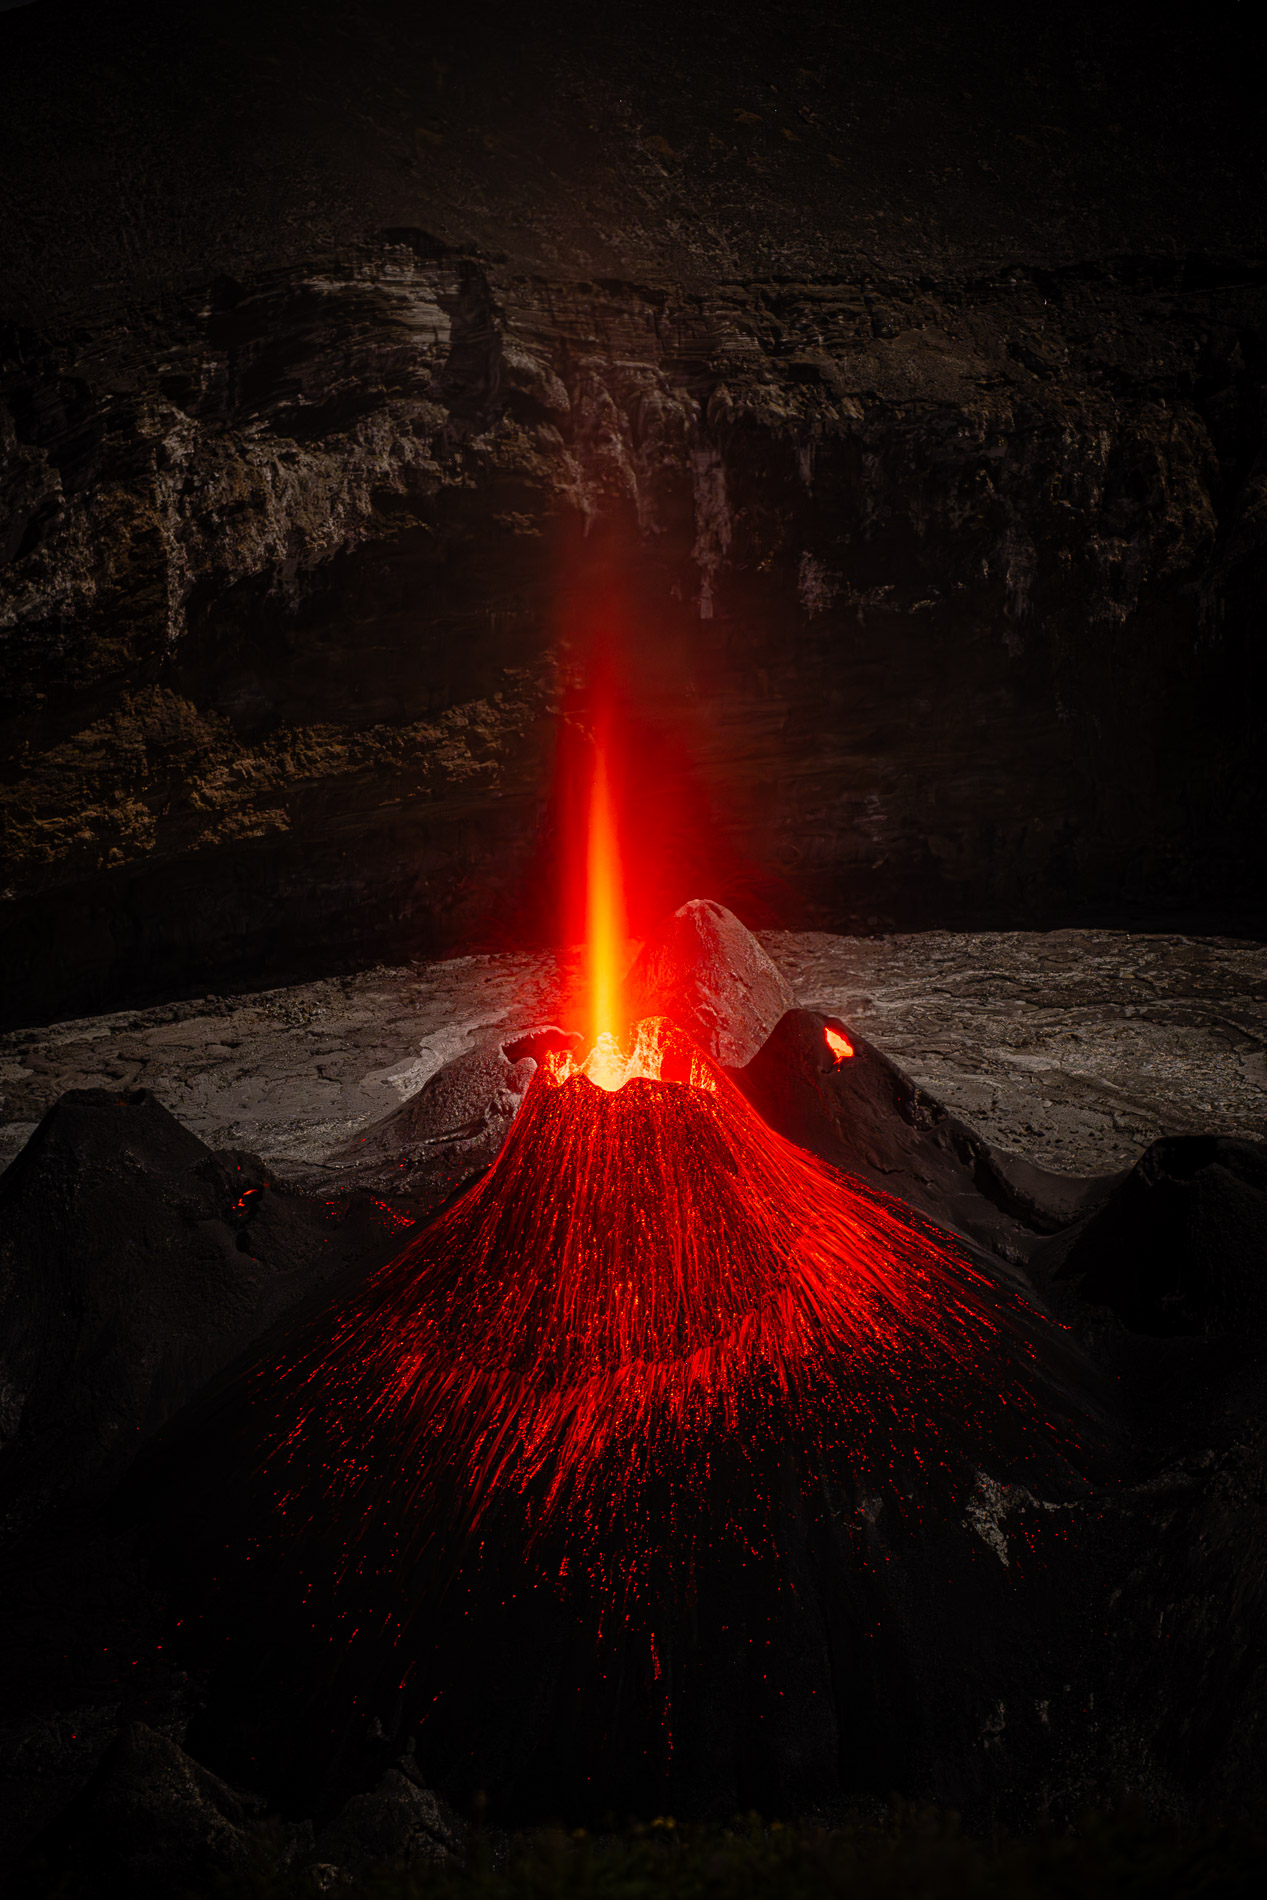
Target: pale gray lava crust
x,y
1073,1048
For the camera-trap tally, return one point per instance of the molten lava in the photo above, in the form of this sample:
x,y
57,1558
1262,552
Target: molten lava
x,y
838,1044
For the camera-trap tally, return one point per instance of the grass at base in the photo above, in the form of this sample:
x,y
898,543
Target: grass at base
x,y
916,1855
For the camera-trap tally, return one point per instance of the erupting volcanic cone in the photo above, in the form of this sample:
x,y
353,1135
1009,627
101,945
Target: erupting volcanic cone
x,y
646,1268
657,1365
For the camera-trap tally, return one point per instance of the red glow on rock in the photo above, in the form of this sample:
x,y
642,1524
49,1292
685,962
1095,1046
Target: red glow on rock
x,y
839,1045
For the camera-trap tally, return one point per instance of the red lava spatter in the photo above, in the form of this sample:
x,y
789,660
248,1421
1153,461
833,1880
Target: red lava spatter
x,y
648,1290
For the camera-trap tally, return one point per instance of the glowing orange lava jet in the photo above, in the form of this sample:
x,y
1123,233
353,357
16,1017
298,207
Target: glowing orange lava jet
x,y
605,924
619,1051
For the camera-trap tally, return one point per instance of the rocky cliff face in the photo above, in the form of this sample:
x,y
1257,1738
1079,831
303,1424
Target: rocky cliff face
x,y
957,554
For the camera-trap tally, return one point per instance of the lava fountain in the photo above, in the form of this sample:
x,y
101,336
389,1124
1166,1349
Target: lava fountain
x,y
656,1366
605,924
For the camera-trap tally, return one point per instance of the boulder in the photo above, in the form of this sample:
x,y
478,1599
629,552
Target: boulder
x,y
707,971
446,1135
397,1823
135,1264
152,1821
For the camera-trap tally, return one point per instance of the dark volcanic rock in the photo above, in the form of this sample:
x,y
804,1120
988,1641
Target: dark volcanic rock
x,y
865,1115
134,1265
85,1649
396,1823
702,968
443,1137
1169,1279
912,362
1181,1247
152,1822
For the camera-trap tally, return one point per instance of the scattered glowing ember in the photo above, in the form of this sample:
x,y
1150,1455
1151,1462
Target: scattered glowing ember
x,y
655,1336
646,1270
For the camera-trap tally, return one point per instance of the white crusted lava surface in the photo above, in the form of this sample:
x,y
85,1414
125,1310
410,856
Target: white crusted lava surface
x,y
1074,1048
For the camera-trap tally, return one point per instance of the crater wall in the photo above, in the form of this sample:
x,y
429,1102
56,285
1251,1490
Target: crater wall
x,y
943,494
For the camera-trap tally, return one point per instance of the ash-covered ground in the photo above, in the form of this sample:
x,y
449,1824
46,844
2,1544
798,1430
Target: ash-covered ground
x,y
1073,1048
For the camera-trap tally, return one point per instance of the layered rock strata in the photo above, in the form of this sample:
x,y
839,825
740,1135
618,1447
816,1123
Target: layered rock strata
x,y
941,513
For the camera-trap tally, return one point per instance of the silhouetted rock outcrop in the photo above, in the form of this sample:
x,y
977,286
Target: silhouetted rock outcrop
x,y
134,1265
864,1114
1178,1249
153,1822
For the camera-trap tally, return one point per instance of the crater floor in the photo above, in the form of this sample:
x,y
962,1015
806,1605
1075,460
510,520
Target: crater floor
x,y
1074,1048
